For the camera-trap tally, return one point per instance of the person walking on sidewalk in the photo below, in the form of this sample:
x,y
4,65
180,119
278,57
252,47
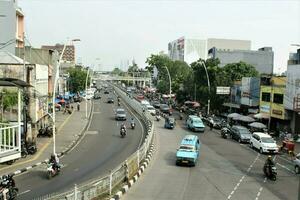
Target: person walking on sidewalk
x,y
78,106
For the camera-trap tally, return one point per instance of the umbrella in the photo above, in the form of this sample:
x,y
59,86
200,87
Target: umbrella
x,y
234,115
196,104
257,125
261,116
246,119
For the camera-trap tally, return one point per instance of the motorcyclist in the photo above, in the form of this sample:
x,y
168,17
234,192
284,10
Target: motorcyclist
x,y
132,121
123,127
268,165
55,161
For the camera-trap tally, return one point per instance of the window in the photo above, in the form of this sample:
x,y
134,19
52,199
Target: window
x,y
265,96
278,98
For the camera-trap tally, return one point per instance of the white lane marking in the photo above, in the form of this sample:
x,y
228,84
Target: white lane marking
x,y
24,192
285,167
243,177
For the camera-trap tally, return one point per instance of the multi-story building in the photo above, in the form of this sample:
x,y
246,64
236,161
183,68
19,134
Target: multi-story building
x,y
272,94
292,94
69,53
262,59
12,21
190,49
41,57
294,58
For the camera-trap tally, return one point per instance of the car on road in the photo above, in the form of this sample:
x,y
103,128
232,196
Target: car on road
x,y
150,109
195,123
145,103
106,92
263,142
140,97
297,164
165,109
120,114
97,95
110,100
156,104
188,151
170,122
240,134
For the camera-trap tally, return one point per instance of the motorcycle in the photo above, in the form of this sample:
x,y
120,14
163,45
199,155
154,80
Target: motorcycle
x,y
270,172
51,171
24,151
119,104
225,132
8,189
132,125
123,132
180,116
157,117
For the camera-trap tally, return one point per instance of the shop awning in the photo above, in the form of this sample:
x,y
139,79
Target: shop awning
x,y
232,105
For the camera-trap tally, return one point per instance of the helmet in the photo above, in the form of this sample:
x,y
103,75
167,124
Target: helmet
x,y
269,157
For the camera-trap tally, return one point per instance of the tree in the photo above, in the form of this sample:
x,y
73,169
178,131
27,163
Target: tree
x,y
179,71
117,71
236,71
77,79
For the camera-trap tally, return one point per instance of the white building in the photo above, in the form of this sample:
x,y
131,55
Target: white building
x,y
190,49
292,96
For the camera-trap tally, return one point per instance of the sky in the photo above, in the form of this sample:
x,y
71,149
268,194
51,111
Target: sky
x,y
113,32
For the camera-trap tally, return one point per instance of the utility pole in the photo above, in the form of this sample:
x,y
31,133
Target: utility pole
x,y
271,102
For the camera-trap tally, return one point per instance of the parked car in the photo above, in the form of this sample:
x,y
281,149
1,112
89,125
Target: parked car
x,y
156,104
194,123
165,109
297,164
188,151
240,134
110,100
120,114
170,122
97,95
150,109
263,142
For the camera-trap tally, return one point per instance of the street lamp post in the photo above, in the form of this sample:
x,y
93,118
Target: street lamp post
x,y
208,84
170,82
86,81
54,88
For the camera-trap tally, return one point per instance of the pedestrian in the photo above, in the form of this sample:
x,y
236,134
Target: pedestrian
x,y
78,106
211,125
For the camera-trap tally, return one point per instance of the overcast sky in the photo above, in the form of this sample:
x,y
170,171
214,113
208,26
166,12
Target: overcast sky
x,y
115,31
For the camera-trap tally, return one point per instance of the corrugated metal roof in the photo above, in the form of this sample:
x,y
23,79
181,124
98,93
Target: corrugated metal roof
x,y
9,58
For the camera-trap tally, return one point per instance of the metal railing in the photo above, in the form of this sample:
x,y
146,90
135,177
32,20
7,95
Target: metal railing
x,y
105,186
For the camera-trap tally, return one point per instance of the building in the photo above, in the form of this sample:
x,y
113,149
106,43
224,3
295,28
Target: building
x,y
35,75
294,58
272,94
69,53
190,49
292,96
244,96
262,59
12,21
42,57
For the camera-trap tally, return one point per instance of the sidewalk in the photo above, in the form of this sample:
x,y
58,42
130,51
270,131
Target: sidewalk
x,y
69,130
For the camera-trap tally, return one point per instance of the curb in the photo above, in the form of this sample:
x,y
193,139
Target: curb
x,y
65,151
131,182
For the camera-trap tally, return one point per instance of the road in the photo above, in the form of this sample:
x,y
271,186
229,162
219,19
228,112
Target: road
x,y
100,150
226,170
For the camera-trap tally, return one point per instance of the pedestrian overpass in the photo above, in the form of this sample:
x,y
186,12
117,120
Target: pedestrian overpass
x,y
141,81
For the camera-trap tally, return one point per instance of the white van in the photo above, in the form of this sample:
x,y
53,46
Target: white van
x,y
263,142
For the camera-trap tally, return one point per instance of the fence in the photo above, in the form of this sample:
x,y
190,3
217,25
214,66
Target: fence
x,y
103,187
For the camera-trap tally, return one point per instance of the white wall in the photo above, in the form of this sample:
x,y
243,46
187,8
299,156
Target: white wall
x,y
292,85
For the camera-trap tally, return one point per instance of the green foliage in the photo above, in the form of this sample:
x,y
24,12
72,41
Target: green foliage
x,y
9,98
236,71
77,79
117,71
179,72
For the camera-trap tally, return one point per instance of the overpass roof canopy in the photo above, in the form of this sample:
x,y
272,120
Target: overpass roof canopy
x,y
13,82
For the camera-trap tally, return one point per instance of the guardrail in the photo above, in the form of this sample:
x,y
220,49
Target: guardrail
x,y
104,186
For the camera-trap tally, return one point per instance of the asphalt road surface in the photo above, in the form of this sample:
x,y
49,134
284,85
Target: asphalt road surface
x,y
225,170
100,150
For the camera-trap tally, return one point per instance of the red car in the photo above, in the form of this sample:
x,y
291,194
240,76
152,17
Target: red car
x,y
140,97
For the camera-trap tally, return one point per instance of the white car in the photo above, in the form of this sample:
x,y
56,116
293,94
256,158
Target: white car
x,y
263,142
145,103
150,109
